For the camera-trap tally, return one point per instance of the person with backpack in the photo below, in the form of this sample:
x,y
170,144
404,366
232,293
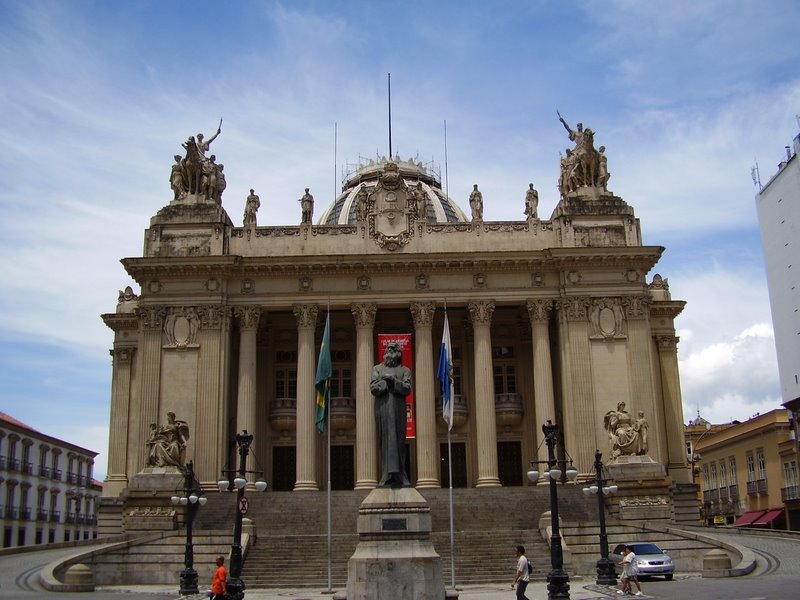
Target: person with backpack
x,y
523,575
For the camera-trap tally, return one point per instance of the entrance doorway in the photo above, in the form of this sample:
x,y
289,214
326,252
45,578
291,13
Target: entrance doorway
x,y
284,462
343,476
509,463
459,451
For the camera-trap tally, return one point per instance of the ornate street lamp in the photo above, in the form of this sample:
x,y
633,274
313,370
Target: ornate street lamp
x,y
606,575
191,497
557,578
235,585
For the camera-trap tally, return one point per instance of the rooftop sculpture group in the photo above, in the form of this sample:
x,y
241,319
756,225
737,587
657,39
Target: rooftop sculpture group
x,y
198,175
583,166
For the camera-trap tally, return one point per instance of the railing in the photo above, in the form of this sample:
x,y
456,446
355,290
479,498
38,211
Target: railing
x,y
57,474
72,478
41,515
91,520
55,516
11,512
734,492
13,464
791,492
724,493
70,517
80,519
2,462
25,514
762,485
752,488
44,471
27,468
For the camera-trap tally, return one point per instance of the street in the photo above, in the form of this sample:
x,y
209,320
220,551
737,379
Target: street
x,y
776,577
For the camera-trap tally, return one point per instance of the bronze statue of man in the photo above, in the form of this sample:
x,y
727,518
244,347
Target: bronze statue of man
x,y
391,383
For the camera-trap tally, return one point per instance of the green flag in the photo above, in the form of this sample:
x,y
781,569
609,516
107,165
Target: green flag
x,y
323,380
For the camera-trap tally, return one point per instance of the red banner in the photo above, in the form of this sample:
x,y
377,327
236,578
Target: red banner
x,y
404,340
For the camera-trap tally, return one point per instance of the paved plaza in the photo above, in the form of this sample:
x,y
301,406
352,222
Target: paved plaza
x,y
776,577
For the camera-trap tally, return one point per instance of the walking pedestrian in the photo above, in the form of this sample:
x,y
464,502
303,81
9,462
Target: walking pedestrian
x,y
523,575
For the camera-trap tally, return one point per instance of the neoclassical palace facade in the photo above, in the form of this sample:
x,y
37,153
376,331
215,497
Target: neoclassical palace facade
x,y
558,319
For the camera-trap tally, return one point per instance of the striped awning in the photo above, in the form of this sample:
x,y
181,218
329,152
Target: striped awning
x,y
768,517
748,518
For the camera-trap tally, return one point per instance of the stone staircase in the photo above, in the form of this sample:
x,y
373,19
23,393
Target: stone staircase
x,y
292,544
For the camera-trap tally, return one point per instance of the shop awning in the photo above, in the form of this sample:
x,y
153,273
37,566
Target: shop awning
x,y
748,518
769,517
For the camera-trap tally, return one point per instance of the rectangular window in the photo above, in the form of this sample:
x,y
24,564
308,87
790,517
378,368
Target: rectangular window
x,y
505,379
456,386
751,467
732,464
723,474
762,463
705,477
286,383
713,483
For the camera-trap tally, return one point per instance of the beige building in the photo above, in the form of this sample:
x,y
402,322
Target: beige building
x,y
551,319
744,471
46,487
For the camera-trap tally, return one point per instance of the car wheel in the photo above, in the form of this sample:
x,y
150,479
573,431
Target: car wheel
x,y
668,577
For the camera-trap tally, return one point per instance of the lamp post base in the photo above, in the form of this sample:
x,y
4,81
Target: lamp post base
x,y
235,587
558,585
606,574
188,582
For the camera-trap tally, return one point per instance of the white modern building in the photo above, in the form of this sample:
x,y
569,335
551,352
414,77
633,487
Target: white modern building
x,y
47,493
779,218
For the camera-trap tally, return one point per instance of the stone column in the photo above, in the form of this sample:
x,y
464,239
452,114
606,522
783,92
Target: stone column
x,y
539,311
117,478
246,418
485,420
366,436
427,452
673,407
306,316
579,421
151,323
211,416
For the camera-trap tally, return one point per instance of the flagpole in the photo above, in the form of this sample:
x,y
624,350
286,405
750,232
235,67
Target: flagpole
x,y
328,417
452,527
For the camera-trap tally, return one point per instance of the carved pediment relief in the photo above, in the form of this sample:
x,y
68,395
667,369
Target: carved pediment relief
x,y
390,223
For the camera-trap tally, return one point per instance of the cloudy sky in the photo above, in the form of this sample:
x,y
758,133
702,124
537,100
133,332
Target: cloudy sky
x,y
98,96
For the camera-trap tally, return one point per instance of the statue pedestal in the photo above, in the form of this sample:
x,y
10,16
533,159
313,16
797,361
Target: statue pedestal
x,y
147,505
394,559
644,489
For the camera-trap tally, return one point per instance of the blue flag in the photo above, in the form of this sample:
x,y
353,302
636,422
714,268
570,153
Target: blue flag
x,y
323,380
445,375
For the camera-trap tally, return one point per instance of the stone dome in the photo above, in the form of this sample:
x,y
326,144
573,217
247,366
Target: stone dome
x,y
439,208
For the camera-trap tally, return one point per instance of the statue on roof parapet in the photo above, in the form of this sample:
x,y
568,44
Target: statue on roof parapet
x,y
307,207
531,202
476,203
583,165
252,204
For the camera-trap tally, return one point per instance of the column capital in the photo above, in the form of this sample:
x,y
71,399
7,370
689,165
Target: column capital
x,y
667,343
481,311
248,316
636,307
364,314
305,314
122,356
539,309
422,313
213,317
152,317
574,308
